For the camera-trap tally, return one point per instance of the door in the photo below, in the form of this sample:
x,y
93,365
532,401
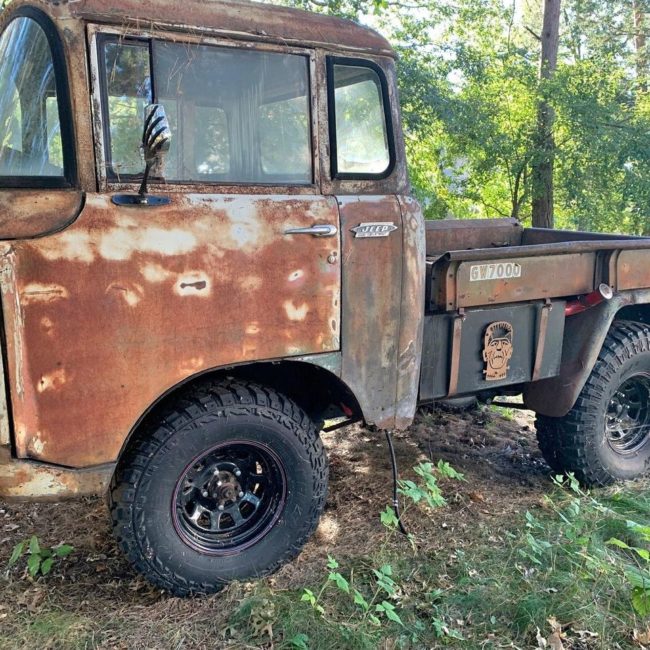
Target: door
x,y
242,265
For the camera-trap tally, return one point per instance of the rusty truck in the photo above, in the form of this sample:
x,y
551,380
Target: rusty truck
x,y
208,248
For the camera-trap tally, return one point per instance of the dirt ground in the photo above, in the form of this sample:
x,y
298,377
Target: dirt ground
x,y
96,589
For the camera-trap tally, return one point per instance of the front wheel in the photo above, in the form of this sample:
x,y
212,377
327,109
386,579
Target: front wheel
x,y
227,485
606,435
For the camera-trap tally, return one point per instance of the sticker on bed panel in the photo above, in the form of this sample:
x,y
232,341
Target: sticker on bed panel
x,y
497,350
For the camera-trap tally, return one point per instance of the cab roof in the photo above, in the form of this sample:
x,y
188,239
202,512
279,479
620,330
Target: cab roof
x,y
239,19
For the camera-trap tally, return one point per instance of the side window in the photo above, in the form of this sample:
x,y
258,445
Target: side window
x,y
237,116
360,127
128,91
31,143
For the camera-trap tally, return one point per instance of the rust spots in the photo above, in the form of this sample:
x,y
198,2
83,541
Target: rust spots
x,y
131,293
152,298
35,292
52,381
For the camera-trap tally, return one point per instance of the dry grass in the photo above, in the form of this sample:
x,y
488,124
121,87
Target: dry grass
x,y
94,599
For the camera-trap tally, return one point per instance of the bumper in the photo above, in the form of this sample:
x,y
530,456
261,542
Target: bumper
x,y
24,480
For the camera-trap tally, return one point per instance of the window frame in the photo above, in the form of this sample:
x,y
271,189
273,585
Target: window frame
x,y
352,62
69,178
100,35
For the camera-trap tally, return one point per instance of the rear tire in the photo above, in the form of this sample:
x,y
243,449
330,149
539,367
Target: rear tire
x,y
227,484
605,437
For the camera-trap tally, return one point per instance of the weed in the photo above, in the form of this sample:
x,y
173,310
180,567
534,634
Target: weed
x,y
39,559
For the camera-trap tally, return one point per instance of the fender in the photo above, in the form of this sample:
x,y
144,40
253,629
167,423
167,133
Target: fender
x,y
584,335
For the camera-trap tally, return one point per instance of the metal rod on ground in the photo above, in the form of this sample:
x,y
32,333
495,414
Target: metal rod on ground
x,y
395,500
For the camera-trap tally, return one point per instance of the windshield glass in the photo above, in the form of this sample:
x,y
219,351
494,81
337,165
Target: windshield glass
x,y
30,131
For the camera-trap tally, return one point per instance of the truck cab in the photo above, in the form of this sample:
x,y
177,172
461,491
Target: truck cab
x,y
208,248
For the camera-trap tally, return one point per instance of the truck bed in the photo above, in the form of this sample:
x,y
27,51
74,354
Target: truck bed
x,y
487,274
496,261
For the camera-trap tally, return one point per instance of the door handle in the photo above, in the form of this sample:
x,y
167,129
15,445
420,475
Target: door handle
x,y
324,230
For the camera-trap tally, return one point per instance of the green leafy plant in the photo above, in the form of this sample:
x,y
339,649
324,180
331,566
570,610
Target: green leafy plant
x,y
638,578
40,560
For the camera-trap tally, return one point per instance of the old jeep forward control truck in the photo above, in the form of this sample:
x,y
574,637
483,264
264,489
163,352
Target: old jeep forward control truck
x,y
177,338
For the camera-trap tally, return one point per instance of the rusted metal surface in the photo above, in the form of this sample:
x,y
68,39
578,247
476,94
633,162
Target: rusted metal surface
x,y
29,213
456,338
107,315
370,298
533,236
452,235
460,284
633,269
26,480
409,353
236,19
542,328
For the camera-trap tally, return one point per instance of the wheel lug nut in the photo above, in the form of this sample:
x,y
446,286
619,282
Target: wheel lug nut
x,y
204,493
218,483
241,494
237,472
221,507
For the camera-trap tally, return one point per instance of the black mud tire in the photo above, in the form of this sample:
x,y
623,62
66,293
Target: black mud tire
x,y
144,489
582,442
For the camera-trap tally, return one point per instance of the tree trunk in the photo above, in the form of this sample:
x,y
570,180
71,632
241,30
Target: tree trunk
x,y
640,46
542,165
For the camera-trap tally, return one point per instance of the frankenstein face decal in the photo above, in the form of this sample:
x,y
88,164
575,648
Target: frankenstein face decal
x,y
497,350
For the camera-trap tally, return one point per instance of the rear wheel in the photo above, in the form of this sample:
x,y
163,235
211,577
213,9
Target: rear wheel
x,y
606,435
227,485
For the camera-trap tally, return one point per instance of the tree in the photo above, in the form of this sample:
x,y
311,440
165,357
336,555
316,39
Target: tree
x,y
543,161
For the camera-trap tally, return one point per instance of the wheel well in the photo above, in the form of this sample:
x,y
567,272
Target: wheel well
x,y
638,313
317,390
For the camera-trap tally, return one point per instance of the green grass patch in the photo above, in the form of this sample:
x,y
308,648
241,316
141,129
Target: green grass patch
x,y
554,569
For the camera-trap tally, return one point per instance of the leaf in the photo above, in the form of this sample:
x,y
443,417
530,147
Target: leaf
x,y
308,596
340,581
389,610
332,563
34,546
46,565
388,518
63,550
360,600
641,601
16,553
374,619
448,471
33,564
617,542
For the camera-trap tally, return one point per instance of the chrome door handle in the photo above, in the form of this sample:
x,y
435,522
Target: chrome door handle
x,y
324,230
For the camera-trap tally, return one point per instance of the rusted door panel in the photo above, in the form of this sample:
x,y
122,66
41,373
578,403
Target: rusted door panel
x,y
371,296
104,317
633,270
409,355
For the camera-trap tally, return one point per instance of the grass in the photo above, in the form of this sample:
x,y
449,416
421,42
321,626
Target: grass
x,y
490,561
553,570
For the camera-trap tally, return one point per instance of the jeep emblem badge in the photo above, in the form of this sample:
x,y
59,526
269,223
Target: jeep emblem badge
x,y
374,229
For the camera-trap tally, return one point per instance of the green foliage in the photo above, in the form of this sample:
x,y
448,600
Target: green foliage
x,y
554,565
469,88
40,560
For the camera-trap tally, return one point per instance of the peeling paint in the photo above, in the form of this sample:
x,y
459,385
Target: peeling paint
x,y
35,292
296,312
